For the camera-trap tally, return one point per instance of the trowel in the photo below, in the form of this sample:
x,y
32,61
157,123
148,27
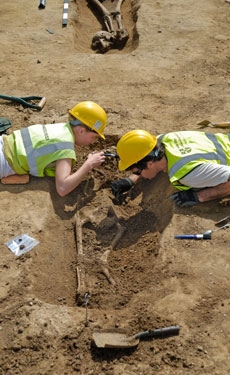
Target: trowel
x,y
118,338
210,124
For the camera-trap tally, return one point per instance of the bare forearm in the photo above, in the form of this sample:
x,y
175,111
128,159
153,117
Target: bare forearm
x,y
67,181
73,180
215,192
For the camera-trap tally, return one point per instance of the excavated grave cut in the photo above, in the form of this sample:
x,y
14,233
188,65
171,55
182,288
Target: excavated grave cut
x,y
96,246
88,21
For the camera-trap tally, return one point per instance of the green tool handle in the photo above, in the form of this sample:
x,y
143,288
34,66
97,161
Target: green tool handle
x,y
24,101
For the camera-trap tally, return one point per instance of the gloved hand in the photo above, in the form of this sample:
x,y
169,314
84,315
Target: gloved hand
x,y
185,198
121,186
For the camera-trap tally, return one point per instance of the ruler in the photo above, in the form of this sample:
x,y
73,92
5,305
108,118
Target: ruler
x,y
65,13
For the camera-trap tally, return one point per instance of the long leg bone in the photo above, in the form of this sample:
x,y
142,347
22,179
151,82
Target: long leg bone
x,y
104,40
104,257
80,267
106,15
117,15
105,268
83,216
121,231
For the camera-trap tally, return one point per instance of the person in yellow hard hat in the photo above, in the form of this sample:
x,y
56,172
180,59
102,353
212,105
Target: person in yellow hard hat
x,y
49,150
197,163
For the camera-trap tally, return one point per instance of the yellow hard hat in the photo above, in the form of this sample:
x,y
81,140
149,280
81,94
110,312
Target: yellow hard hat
x,y
91,115
133,147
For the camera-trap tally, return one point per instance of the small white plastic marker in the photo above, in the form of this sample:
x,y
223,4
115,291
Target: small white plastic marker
x,y
21,244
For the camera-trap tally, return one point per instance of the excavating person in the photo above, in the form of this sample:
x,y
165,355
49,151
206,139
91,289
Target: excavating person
x,y
49,150
197,163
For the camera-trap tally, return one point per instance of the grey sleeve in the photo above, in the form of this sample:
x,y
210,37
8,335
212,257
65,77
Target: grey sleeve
x,y
207,175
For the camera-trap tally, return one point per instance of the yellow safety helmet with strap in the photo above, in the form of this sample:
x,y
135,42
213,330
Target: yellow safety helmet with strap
x,y
91,115
134,146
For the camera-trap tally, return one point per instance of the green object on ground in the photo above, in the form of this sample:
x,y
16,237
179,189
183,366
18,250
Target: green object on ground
x,y
26,101
5,123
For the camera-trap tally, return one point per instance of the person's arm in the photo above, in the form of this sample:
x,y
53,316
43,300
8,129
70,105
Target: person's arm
x,y
16,179
67,181
215,192
191,197
212,179
134,178
123,185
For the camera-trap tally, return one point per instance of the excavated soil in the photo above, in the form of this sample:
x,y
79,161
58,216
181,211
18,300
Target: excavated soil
x,y
172,73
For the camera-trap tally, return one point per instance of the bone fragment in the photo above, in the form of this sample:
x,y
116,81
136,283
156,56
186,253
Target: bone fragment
x,y
105,267
104,257
121,231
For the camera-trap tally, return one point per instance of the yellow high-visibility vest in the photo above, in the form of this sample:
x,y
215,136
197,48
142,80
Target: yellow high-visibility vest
x,y
35,149
185,150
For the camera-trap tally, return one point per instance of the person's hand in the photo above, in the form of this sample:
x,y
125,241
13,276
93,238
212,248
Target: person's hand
x,y
185,198
95,159
121,186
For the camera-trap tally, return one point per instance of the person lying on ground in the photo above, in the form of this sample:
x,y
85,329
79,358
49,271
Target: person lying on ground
x,y
49,150
197,163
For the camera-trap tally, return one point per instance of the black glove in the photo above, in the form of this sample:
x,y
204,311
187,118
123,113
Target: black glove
x,y
185,198
121,186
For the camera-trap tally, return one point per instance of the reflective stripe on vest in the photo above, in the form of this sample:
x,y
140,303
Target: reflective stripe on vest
x,y
32,153
208,155
184,160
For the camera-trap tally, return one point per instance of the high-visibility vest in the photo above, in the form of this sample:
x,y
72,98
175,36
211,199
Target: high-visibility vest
x,y
185,150
34,150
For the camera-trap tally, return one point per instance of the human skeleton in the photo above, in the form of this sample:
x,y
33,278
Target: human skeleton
x,y
115,36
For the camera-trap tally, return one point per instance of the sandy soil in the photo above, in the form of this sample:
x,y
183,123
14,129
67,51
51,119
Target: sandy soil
x,y
172,73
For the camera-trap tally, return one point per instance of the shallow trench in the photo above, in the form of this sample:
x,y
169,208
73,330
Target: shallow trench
x,y
107,268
